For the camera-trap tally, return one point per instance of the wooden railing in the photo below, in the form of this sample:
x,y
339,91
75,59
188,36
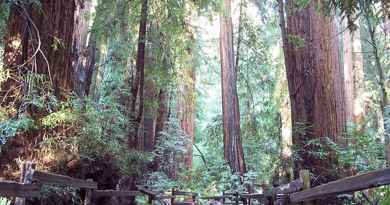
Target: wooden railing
x,y
346,185
296,191
300,191
32,181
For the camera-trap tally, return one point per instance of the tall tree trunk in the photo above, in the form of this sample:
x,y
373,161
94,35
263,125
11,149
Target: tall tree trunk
x,y
15,54
233,151
162,111
138,83
147,133
359,88
84,48
286,134
353,76
186,109
39,40
348,72
315,82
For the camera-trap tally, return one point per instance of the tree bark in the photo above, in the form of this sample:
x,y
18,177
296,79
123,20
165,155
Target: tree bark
x,y
315,82
359,88
147,134
84,48
285,110
348,72
186,109
39,40
138,83
233,151
353,76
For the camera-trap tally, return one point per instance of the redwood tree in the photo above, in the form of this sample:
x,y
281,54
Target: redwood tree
x,y
315,81
84,48
40,40
186,110
233,151
137,90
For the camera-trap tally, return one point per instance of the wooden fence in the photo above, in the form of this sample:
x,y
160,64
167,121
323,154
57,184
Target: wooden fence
x,y
31,181
296,191
300,191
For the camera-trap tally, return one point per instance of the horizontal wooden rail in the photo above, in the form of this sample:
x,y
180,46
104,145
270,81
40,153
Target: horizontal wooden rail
x,y
345,185
146,191
254,196
214,197
14,189
158,197
56,179
184,193
114,193
291,187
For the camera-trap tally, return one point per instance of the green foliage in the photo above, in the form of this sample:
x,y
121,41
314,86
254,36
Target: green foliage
x,y
170,147
301,4
4,13
160,181
134,163
296,41
352,8
60,195
61,117
259,71
4,201
364,150
11,127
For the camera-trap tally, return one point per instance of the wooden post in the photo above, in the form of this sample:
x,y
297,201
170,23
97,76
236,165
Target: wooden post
x,y
88,195
26,176
305,177
173,196
281,199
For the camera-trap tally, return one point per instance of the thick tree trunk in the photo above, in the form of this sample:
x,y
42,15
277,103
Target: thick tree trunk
x,y
137,90
162,111
233,151
55,23
39,40
315,82
147,134
15,54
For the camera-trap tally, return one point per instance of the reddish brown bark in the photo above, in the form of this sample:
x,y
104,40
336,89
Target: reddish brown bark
x,y
233,151
162,111
16,42
137,90
147,133
39,40
186,111
55,23
315,82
